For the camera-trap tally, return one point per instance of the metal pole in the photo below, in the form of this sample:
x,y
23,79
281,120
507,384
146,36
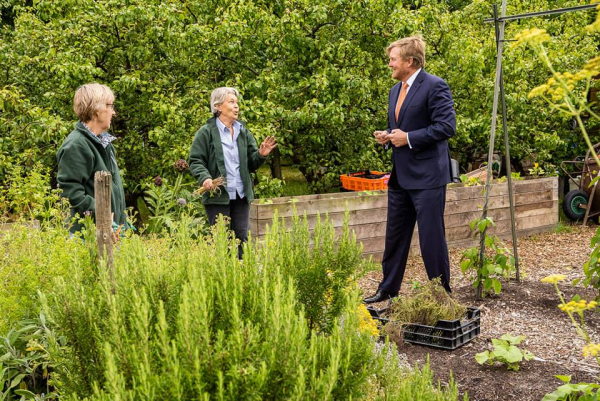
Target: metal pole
x,y
542,13
513,225
500,44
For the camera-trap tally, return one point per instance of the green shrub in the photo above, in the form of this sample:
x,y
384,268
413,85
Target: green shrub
x,y
498,262
323,266
166,203
31,259
268,187
27,194
185,319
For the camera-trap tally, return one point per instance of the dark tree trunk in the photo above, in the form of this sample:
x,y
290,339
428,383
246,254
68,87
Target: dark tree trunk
x,y
276,164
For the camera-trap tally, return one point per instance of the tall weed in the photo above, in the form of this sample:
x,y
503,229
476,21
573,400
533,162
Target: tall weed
x,y
31,259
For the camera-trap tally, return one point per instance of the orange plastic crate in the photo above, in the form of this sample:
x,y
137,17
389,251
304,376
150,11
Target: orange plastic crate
x,y
358,181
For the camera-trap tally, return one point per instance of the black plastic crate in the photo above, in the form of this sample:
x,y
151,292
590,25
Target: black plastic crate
x,y
446,334
378,314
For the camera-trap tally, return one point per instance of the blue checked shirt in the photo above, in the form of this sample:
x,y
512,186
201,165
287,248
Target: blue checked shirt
x,y
232,159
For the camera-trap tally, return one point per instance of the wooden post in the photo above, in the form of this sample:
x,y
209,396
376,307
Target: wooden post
x,y
104,233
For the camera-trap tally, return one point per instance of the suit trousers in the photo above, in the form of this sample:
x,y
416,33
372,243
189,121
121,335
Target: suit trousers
x,y
238,211
405,207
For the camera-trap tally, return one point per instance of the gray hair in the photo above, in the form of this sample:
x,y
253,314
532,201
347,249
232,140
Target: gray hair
x,y
218,97
91,98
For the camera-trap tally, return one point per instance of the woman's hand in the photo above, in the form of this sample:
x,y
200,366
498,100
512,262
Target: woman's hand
x,y
267,146
208,184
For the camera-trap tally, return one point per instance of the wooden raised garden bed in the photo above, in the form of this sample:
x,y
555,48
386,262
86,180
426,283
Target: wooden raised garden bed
x,y
536,202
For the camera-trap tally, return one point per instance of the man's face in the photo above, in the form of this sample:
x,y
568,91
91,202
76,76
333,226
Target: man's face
x,y
401,68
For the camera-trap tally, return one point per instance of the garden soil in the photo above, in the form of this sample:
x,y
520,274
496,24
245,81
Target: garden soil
x,y
526,308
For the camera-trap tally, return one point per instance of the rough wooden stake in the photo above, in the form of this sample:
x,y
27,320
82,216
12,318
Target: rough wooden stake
x,y
104,236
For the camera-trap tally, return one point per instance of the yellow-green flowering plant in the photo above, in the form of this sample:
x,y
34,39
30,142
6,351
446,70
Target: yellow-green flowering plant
x,y
568,92
575,310
565,91
537,171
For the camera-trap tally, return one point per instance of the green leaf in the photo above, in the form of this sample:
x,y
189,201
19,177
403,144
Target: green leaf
x,y
482,357
15,382
25,393
564,379
513,340
497,286
513,354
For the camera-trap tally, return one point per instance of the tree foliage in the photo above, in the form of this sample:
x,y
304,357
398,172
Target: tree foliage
x,y
312,72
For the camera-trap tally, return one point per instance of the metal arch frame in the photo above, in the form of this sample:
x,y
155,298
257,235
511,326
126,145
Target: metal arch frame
x,y
499,24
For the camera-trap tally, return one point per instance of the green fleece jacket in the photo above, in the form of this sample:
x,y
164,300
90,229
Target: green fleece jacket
x,y
207,160
79,157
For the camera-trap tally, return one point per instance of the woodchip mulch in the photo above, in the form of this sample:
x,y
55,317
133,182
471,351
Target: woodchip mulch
x,y
526,308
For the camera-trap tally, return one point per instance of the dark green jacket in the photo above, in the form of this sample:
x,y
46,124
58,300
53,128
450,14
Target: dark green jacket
x,y
207,160
79,157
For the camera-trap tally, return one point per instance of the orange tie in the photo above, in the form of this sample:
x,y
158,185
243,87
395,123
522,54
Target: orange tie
x,y
401,99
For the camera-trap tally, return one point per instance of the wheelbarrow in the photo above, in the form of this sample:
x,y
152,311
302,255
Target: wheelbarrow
x,y
584,202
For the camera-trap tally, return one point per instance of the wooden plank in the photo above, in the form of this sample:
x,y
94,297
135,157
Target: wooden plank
x,y
357,217
353,201
498,202
468,243
458,219
456,192
373,244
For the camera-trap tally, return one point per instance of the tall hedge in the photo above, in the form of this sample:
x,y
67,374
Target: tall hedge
x,y
312,72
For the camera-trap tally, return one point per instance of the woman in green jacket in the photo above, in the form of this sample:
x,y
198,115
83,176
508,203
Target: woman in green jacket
x,y
88,149
224,147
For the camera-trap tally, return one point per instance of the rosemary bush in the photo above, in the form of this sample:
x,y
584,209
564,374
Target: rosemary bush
x,y
323,266
184,319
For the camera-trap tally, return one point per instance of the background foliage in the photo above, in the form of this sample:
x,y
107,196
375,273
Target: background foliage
x,y
312,72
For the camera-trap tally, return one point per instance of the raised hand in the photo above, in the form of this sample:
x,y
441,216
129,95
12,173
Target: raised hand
x,y
267,146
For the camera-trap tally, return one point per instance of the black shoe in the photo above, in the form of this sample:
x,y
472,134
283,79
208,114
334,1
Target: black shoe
x,y
379,297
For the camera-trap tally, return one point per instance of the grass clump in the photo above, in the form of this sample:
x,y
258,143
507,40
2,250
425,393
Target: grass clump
x,y
430,304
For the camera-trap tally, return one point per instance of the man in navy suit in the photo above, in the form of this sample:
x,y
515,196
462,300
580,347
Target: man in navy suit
x,y
421,118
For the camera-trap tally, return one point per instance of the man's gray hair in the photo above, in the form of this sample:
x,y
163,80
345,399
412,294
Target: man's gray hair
x,y
218,97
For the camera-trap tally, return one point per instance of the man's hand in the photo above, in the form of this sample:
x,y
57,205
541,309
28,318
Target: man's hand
x,y
398,138
381,136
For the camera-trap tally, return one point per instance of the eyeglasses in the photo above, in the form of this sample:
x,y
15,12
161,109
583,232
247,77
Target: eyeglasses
x,y
111,105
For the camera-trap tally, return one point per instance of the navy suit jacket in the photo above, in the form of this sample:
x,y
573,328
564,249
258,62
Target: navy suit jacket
x,y
427,114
